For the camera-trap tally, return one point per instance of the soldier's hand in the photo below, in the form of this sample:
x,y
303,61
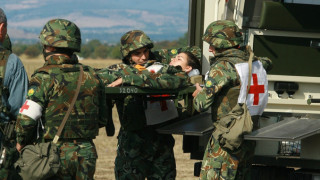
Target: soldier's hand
x,y
19,147
198,89
116,83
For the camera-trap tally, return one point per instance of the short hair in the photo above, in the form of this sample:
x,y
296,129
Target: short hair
x,y
3,17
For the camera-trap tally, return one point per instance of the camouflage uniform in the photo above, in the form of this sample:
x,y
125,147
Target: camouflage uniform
x,y
142,152
221,93
52,87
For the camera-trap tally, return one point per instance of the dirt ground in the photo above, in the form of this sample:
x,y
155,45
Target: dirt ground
x,y
107,146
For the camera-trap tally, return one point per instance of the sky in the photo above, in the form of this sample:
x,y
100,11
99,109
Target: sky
x,y
164,19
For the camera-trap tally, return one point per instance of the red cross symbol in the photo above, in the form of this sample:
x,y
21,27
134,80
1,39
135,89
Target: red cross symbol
x,y
255,89
163,104
24,107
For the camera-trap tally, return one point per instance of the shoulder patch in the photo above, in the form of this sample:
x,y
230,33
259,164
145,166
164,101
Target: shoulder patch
x,y
30,92
174,51
208,83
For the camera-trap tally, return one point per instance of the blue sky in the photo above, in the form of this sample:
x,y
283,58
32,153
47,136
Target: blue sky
x,y
155,17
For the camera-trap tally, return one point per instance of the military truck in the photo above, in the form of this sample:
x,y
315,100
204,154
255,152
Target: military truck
x,y
288,32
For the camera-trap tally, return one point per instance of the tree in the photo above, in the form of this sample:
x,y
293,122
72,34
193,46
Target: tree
x,y
115,52
101,51
93,44
85,51
33,50
19,49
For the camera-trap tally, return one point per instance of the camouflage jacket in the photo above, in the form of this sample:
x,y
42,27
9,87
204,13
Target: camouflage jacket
x,y
52,87
169,77
131,108
221,89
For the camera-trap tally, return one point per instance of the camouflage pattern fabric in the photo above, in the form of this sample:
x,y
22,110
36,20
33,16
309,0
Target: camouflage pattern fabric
x,y
78,160
145,154
220,164
142,152
130,109
169,77
8,172
61,33
133,40
167,54
223,34
108,75
218,94
52,87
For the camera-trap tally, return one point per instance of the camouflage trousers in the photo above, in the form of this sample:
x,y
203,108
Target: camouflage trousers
x,y
145,154
78,160
220,164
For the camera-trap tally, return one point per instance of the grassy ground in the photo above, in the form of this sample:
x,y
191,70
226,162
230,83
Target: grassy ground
x,y
106,146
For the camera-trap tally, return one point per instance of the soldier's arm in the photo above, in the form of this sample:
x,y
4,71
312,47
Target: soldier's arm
x,y
220,75
29,114
16,80
168,78
109,74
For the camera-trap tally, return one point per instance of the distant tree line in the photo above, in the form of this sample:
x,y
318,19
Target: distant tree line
x,y
95,49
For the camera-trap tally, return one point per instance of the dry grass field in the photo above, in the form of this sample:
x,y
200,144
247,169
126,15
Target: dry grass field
x,y
107,146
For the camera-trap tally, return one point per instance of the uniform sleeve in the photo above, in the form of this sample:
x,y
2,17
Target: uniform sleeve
x,y
16,80
220,75
170,78
108,75
40,88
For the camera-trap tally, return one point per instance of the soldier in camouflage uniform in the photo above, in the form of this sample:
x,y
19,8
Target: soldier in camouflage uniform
x,y
142,152
184,61
51,90
13,88
221,92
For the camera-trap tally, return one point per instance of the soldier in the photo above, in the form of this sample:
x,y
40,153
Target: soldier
x,y
51,90
142,152
221,93
160,75
13,88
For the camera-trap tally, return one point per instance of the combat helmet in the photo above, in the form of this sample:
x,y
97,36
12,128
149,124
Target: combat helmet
x,y
7,43
61,33
134,40
223,34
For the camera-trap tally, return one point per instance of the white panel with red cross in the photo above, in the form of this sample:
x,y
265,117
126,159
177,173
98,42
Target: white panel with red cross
x,y
258,94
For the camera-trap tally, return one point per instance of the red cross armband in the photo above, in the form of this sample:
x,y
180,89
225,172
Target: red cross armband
x,y
31,109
